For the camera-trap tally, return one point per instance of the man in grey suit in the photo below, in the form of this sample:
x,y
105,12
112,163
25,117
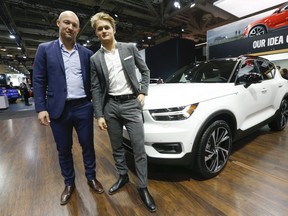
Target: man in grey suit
x,y
118,98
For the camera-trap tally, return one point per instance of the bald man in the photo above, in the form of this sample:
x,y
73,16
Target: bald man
x,y
61,82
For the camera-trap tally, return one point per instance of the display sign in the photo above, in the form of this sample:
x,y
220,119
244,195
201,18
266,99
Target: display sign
x,y
264,32
265,43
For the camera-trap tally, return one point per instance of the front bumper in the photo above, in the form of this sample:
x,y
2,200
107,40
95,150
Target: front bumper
x,y
167,141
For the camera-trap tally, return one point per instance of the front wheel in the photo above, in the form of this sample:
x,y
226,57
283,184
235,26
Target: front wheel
x,y
281,117
214,149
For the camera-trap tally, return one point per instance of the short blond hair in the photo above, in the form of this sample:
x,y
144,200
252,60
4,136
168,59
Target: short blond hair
x,y
102,16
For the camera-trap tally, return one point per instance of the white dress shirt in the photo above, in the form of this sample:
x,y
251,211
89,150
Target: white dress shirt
x,y
118,82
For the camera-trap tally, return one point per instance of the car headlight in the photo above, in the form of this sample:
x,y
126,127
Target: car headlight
x,y
174,113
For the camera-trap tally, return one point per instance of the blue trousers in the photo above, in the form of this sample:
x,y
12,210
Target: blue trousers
x,y
79,117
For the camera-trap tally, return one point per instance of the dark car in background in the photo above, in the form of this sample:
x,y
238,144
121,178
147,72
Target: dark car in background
x,y
11,93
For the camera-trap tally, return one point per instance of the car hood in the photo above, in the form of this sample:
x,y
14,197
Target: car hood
x,y
182,94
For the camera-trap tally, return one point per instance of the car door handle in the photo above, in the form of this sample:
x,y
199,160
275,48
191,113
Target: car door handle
x,y
264,90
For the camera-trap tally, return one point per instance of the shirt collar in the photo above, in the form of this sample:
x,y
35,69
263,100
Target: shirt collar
x,y
107,51
62,45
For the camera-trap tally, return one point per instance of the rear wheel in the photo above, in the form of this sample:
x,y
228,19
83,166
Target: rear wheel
x,y
214,149
257,30
281,117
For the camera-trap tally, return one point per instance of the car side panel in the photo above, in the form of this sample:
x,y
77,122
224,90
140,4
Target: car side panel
x,y
278,20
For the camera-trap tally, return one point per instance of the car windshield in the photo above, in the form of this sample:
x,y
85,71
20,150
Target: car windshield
x,y
214,71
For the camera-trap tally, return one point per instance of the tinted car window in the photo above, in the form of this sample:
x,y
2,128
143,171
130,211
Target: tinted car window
x,y
266,68
214,71
248,66
284,8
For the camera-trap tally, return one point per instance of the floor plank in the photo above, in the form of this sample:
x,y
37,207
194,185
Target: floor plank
x,y
254,182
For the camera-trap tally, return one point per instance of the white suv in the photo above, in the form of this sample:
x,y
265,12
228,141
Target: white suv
x,y
196,115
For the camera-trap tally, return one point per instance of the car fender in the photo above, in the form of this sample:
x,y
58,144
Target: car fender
x,y
224,114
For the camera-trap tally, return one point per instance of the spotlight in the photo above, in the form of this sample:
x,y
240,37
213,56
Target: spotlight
x,y
177,4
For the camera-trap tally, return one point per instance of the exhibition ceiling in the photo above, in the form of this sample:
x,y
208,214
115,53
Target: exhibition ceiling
x,y
145,22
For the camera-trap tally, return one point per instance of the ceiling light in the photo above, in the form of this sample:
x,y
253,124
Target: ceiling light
x,y
201,44
19,48
12,36
177,4
192,5
240,9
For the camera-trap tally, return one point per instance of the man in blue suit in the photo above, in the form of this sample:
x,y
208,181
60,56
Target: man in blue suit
x,y
61,81
118,98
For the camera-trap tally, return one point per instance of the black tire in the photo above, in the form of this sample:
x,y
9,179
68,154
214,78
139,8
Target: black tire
x,y
281,117
257,30
12,100
214,149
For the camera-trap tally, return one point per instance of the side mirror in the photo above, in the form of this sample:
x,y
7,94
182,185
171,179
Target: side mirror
x,y
250,78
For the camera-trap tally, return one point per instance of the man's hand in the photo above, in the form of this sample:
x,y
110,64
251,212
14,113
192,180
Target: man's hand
x,y
141,98
43,118
102,123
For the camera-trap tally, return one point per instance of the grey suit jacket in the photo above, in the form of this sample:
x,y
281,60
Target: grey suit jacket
x,y
130,57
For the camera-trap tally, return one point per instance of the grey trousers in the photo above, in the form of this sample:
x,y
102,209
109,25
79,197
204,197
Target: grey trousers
x,y
129,114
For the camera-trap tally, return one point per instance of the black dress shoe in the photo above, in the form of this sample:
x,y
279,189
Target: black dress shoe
x,y
96,186
147,199
66,194
122,180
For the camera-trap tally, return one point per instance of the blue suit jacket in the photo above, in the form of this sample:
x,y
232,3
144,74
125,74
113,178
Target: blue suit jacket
x,y
49,79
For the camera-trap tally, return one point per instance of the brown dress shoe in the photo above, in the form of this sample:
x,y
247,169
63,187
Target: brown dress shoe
x,y
96,186
66,194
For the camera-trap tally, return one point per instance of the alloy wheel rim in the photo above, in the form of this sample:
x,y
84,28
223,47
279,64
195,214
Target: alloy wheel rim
x,y
217,149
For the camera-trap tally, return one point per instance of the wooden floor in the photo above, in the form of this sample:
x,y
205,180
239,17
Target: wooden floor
x,y
255,181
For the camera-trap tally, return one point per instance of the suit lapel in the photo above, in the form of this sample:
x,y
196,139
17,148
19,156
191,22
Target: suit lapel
x,y
59,54
122,55
120,50
104,67
81,54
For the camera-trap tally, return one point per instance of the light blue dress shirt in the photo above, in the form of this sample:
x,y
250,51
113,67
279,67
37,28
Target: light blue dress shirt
x,y
74,79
